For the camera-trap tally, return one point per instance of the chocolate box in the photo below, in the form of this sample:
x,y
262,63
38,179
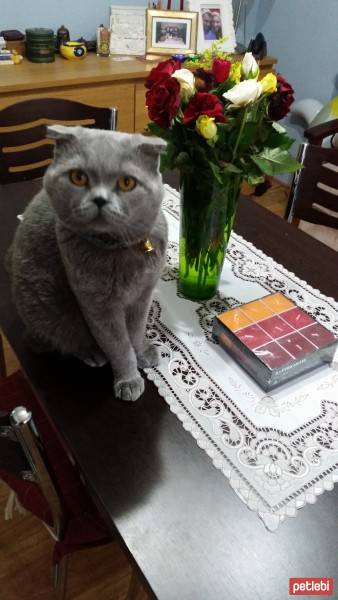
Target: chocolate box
x,y
274,340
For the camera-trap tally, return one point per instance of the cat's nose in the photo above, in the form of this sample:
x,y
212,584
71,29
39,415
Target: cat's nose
x,y
99,201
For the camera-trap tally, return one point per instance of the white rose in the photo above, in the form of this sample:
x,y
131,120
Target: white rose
x,y
244,93
250,68
186,80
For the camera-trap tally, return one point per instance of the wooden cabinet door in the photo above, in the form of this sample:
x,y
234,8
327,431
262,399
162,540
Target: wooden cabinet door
x,y
141,112
121,95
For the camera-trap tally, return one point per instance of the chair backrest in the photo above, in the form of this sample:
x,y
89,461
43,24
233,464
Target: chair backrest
x,y
315,135
314,191
25,152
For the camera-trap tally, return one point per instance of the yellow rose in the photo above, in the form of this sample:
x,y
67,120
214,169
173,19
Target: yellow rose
x,y
235,72
206,127
269,83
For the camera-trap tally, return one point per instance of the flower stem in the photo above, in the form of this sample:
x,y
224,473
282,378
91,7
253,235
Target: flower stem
x,y
239,134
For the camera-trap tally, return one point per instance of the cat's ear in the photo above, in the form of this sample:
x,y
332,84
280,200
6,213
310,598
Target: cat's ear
x,y
60,133
151,148
64,137
154,146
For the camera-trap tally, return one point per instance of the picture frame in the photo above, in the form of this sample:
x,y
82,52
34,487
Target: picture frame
x,y
171,32
215,21
128,32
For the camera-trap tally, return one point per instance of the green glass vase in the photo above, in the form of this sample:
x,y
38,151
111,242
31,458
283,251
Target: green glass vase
x,y
206,221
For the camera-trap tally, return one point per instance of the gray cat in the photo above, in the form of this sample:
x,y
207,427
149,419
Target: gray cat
x,y
90,249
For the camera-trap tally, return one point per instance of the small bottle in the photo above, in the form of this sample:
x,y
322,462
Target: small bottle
x,y
102,41
62,36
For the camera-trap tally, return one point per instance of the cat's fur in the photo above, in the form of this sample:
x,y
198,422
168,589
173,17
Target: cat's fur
x,y
81,279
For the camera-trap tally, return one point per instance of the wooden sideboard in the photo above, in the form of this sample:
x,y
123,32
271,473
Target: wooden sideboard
x,y
95,80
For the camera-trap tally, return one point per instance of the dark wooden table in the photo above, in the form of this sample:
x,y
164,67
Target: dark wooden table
x,y
185,528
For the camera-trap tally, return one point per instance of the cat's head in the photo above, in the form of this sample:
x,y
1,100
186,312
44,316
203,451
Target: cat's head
x,y
105,181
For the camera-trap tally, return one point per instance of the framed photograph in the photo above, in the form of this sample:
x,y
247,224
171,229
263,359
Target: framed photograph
x,y
215,21
171,32
127,26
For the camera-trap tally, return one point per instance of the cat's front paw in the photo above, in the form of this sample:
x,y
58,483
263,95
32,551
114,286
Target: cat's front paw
x,y
129,390
149,357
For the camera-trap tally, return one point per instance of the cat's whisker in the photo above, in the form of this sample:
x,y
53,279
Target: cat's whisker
x,y
80,210
115,215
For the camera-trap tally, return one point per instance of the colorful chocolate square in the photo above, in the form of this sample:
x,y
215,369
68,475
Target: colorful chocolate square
x,y
235,319
276,327
297,345
297,318
253,336
273,355
256,311
318,335
277,302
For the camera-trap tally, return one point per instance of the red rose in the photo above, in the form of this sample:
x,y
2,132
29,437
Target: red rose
x,y
162,71
203,104
163,101
281,100
221,69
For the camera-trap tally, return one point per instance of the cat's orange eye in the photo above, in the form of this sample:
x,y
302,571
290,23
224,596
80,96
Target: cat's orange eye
x,y
125,183
79,178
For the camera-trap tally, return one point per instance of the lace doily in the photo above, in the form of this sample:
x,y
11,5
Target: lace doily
x,y
278,451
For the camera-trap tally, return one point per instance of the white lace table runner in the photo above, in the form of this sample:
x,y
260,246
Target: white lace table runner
x,y
278,451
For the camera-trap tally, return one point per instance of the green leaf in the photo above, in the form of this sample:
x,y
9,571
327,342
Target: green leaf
x,y
230,168
272,161
278,139
223,133
216,172
250,172
199,157
156,129
277,127
183,162
255,179
225,127
169,157
222,88
257,110
248,136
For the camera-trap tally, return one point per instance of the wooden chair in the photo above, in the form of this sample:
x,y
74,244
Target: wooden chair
x,y
25,152
42,478
35,465
314,191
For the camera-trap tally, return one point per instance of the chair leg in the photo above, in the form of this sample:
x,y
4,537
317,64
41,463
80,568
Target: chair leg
x,y
60,577
134,587
2,358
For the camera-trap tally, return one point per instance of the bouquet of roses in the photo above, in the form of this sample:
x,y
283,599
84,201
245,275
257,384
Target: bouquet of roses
x,y
221,119
220,122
